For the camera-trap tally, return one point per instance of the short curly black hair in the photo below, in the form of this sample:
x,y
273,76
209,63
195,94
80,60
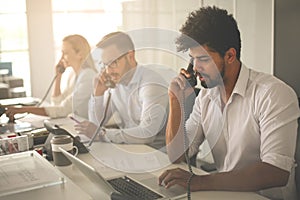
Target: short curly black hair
x,y
210,26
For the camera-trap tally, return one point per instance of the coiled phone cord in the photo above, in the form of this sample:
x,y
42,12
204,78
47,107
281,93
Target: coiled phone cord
x,y
185,147
47,92
102,121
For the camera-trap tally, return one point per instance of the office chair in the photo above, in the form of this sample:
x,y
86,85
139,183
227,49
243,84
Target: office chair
x,y
297,158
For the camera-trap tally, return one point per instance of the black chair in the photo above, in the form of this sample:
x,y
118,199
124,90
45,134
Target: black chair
x,y
297,158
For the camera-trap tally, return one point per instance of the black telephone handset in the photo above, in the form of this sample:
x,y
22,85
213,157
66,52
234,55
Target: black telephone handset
x,y
191,78
61,69
60,65
109,83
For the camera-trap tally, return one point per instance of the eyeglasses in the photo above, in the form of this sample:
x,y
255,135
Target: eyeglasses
x,y
113,64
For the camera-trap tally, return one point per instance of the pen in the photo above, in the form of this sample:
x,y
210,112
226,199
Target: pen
x,y
75,120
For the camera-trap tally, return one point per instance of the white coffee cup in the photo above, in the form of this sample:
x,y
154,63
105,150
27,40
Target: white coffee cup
x,y
65,142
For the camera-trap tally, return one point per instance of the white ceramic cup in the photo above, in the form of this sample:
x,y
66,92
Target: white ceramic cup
x,y
65,142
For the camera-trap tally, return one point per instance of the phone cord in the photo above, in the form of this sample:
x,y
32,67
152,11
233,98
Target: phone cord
x,y
185,139
47,92
102,121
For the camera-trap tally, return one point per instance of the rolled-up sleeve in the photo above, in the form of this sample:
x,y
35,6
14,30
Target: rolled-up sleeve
x,y
278,122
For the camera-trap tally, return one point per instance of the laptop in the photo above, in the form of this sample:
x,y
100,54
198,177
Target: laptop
x,y
134,186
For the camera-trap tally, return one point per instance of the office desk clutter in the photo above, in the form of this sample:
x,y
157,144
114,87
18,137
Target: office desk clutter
x,y
15,144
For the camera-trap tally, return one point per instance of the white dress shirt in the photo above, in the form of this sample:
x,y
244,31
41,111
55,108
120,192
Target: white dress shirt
x,y
258,123
141,107
77,101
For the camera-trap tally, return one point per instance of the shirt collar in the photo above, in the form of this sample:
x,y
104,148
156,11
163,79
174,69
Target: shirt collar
x,y
239,88
242,81
132,75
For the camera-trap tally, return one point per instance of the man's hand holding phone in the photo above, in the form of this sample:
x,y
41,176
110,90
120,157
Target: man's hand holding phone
x,y
183,84
102,83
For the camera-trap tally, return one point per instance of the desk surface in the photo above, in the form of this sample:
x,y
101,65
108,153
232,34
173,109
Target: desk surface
x,y
104,149
24,101
112,160
79,187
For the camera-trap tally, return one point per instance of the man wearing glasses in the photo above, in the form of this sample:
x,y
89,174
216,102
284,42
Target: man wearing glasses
x,y
135,95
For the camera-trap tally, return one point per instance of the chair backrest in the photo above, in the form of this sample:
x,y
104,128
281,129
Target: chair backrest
x,y
297,157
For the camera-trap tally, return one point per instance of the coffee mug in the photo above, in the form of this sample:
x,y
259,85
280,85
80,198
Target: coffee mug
x,y
66,143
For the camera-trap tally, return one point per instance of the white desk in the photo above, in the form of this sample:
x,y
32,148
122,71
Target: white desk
x,y
110,150
127,158
68,191
28,175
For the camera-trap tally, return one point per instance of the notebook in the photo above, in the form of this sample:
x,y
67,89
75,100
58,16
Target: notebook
x,y
146,184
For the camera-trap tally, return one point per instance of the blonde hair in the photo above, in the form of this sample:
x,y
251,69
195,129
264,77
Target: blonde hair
x,y
81,45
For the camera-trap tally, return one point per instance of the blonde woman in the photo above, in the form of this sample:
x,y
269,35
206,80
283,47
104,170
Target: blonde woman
x,y
75,54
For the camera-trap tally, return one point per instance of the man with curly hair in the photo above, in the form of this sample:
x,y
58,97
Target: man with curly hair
x,y
248,118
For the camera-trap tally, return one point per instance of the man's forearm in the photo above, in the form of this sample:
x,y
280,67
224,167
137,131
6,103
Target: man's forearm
x,y
253,178
174,137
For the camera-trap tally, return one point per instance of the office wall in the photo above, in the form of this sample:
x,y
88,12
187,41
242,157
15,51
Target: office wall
x,y
287,42
41,45
284,55
256,28
255,19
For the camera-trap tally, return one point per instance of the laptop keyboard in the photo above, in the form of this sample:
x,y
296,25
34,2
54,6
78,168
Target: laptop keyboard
x,y
129,187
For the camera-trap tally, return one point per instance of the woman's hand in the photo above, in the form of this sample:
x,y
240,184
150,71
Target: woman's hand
x,y
60,66
11,111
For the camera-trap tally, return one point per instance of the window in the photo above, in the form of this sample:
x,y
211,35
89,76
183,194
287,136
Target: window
x,y
89,18
13,39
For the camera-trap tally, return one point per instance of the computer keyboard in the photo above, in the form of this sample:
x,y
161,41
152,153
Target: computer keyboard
x,y
129,187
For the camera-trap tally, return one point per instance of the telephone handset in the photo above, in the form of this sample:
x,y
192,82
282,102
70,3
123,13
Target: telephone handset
x,y
60,65
61,69
191,78
110,84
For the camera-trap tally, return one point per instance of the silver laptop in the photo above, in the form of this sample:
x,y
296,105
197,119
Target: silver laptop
x,y
135,186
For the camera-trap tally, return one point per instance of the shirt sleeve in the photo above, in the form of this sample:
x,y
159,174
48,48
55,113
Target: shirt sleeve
x,y
277,114
97,105
61,110
82,92
154,100
57,100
